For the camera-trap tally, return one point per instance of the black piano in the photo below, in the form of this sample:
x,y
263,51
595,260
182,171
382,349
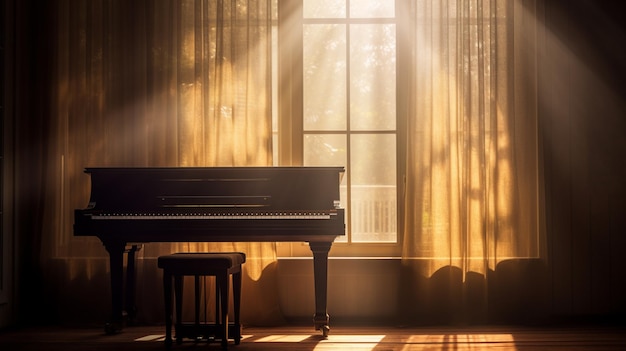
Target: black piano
x,y
129,206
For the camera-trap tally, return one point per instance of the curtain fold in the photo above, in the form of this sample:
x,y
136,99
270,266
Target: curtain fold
x,y
155,83
471,179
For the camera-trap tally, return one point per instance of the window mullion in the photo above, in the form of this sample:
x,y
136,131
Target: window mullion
x,y
348,111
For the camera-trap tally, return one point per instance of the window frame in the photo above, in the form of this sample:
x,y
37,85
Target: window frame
x,y
290,128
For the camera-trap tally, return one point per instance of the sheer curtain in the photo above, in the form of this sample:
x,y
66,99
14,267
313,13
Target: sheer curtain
x,y
154,83
471,179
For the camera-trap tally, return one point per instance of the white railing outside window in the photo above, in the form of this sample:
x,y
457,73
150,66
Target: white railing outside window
x,y
373,213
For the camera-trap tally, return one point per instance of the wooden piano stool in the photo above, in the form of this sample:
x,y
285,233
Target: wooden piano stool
x,y
221,265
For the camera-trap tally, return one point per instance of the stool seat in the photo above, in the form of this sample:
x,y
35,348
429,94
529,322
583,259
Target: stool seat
x,y
201,262
219,264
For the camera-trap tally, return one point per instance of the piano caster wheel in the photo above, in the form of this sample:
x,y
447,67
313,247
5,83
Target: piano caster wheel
x,y
325,329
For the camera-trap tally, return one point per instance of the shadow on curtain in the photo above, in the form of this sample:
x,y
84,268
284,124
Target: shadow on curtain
x,y
472,160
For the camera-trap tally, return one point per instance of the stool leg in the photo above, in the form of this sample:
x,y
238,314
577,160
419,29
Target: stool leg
x,y
223,300
237,304
217,301
178,294
197,306
167,290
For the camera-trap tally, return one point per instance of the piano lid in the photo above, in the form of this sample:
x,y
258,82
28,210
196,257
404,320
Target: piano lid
x,y
146,188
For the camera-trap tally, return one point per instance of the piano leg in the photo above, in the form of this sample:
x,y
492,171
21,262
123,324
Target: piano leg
x,y
116,265
131,308
320,271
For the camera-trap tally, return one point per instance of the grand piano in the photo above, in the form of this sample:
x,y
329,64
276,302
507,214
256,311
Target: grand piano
x,y
130,206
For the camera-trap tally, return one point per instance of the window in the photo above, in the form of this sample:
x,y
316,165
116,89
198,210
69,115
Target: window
x,y
342,111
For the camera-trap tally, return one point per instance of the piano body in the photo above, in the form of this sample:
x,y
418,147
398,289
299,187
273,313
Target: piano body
x,y
130,206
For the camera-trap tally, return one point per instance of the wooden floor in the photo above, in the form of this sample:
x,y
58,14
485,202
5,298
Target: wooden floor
x,y
140,338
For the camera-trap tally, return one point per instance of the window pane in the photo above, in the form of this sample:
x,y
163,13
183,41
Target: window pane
x,y
325,150
373,77
372,9
373,195
353,125
324,8
324,76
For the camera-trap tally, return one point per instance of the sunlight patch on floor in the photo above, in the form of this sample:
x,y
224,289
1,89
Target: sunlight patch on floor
x,y
353,338
481,340
349,342
283,338
151,338
346,346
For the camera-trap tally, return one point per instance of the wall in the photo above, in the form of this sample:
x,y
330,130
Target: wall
x,y
359,290
384,292
6,159
582,113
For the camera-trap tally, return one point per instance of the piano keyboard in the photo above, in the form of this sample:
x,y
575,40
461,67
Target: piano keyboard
x,y
214,215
